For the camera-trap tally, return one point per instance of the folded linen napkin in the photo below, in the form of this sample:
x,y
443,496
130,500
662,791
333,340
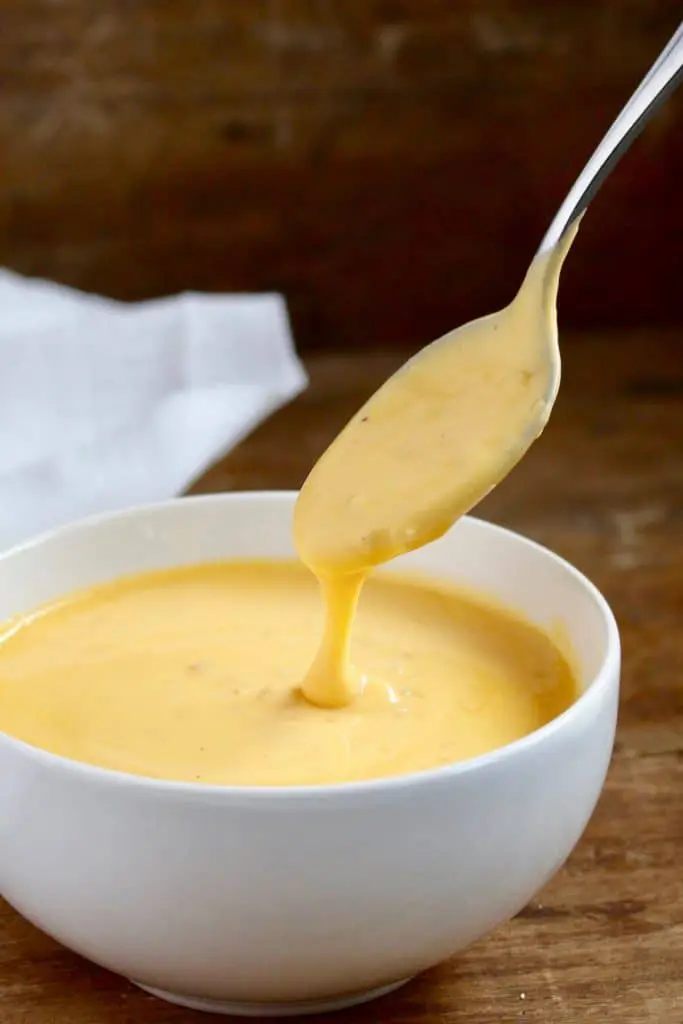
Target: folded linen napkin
x,y
107,404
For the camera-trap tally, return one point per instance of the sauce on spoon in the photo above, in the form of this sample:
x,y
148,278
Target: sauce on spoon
x,y
430,444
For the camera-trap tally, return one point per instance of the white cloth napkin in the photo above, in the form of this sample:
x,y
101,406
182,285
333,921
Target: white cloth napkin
x,y
107,404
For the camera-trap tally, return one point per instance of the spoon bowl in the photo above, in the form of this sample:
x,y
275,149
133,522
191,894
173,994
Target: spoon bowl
x,y
438,435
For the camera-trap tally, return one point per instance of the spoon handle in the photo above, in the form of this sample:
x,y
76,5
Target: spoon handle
x,y
660,81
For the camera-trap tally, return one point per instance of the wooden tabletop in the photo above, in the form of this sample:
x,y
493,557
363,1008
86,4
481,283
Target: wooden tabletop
x,y
604,941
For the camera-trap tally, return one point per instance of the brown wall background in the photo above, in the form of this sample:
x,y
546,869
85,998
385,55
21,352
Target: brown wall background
x,y
390,166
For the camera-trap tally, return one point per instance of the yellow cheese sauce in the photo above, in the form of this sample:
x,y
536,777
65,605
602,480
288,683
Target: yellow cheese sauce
x,y
192,674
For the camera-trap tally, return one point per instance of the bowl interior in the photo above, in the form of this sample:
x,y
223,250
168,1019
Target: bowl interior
x,y
476,554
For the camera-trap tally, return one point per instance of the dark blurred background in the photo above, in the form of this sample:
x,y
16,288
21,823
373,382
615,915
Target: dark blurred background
x,y
390,166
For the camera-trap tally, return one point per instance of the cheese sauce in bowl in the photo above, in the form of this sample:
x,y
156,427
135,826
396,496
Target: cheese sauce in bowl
x,y
254,895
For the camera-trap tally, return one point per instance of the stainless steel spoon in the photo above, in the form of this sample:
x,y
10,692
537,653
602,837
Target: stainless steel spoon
x,y
452,423
658,84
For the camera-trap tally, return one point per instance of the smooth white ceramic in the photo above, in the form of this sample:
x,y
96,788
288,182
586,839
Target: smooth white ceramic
x,y
282,901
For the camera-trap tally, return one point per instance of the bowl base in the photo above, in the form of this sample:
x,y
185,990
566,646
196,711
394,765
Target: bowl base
x,y
237,1009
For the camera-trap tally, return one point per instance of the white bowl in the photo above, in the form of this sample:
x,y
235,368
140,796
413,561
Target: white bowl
x,y
281,901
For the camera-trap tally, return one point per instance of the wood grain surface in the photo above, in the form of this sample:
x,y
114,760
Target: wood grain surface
x,y
390,165
604,487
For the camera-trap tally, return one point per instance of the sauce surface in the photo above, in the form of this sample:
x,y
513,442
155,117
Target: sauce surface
x,y
433,441
191,674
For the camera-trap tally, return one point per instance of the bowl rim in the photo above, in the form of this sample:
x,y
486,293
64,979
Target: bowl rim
x,y
605,679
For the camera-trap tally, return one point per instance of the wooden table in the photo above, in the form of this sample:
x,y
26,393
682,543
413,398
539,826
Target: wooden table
x,y
604,941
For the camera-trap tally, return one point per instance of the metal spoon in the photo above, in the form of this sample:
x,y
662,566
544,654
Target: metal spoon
x,y
658,84
440,434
